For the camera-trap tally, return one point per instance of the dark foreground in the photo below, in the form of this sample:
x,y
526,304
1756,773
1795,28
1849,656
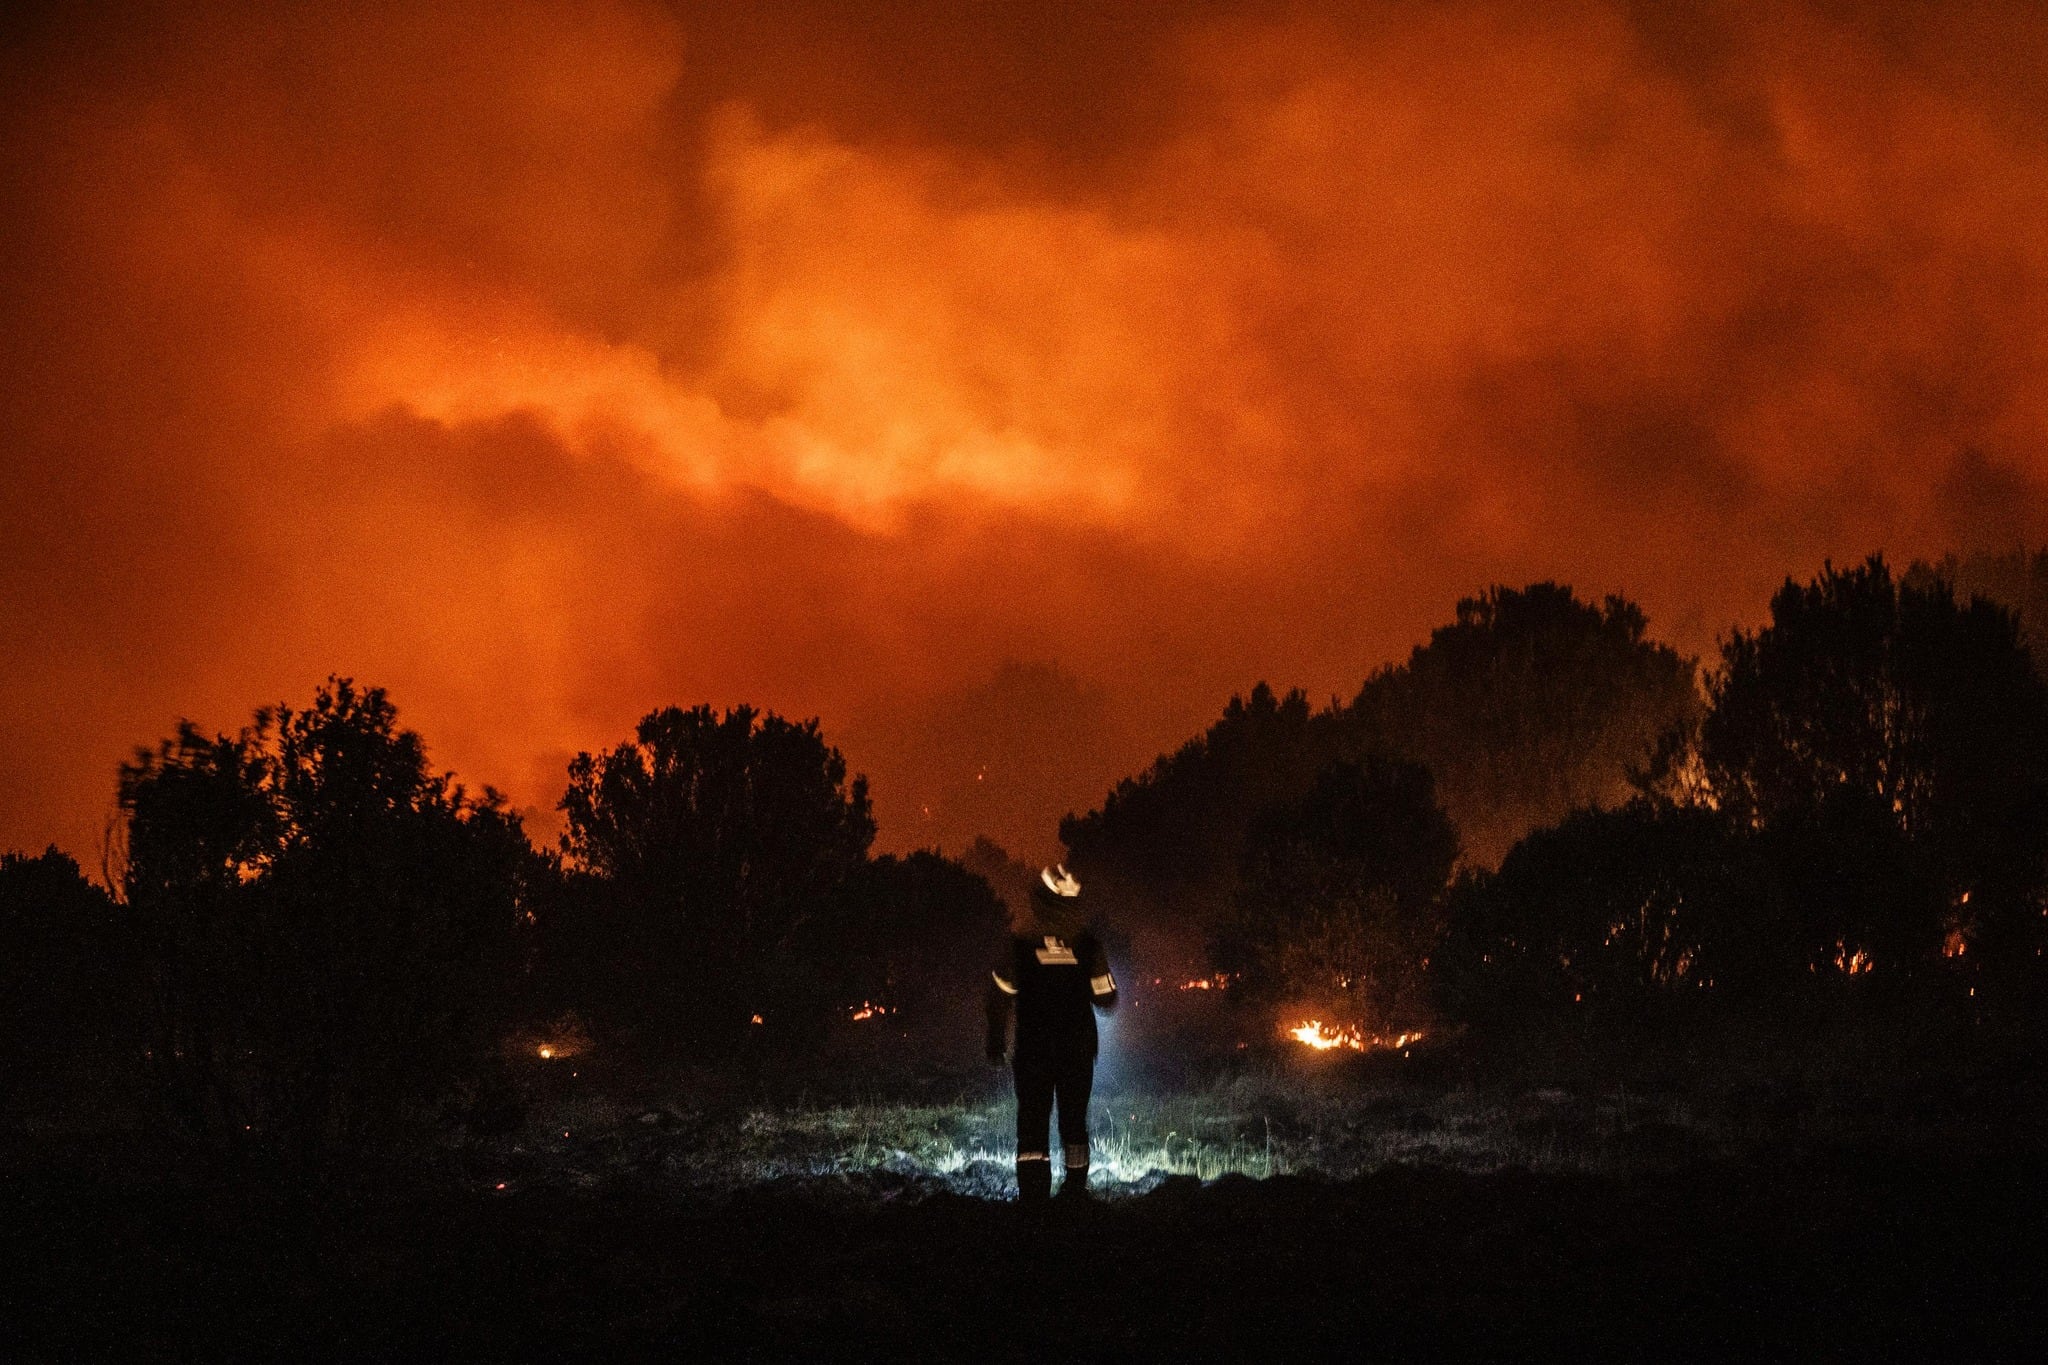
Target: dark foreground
x,y
1848,1254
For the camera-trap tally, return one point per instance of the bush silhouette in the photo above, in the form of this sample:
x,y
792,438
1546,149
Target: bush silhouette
x,y
917,938
1619,916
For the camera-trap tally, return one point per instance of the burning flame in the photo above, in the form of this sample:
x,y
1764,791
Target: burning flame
x,y
1851,961
1218,982
869,1010
551,1042
1322,1037
554,1049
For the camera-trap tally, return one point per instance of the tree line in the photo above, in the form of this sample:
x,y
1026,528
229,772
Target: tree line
x,y
1855,797
314,941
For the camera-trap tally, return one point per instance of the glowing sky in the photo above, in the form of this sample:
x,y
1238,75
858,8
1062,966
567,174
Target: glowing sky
x,y
1003,386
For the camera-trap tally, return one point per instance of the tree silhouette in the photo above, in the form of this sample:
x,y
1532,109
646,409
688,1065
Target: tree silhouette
x,y
328,923
68,973
1895,727
1168,845
721,846
2017,581
1339,901
1530,705
1184,819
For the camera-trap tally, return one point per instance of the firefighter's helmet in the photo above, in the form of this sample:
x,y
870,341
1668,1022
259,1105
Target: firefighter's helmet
x,y
1056,886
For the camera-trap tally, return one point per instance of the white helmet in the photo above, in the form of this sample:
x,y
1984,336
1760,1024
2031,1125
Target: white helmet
x,y
1057,882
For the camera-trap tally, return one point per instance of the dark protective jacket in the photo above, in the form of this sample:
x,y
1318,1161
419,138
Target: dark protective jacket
x,y
1056,986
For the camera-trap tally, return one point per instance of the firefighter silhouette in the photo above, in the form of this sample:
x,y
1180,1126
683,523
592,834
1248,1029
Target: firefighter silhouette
x,y
1056,976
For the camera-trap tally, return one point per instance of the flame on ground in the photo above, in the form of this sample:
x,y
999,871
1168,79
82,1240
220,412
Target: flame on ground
x,y
869,1010
557,1040
1322,1037
557,1048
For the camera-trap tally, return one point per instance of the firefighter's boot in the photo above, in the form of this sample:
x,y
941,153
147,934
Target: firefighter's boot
x,y
1075,1186
1034,1179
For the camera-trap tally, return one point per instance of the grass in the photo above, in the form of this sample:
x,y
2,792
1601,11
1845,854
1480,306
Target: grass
x,y
1256,1126
1560,1105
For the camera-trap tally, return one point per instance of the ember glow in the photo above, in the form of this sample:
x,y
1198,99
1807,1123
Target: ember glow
x,y
1323,1037
1062,375
869,1010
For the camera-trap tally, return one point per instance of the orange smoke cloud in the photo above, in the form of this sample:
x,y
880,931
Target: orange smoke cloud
x,y
1005,392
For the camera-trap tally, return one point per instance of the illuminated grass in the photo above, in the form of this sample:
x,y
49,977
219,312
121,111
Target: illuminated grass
x,y
1254,1127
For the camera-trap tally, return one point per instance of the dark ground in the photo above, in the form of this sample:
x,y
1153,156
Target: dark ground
x,y
1878,1251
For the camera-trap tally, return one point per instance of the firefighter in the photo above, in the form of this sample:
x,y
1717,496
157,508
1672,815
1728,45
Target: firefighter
x,y
1056,976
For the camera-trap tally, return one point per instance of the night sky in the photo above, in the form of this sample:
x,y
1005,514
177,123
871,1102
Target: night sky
x,y
1004,384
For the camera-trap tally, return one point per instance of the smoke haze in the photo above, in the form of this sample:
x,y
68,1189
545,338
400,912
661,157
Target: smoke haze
x,y
1003,387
